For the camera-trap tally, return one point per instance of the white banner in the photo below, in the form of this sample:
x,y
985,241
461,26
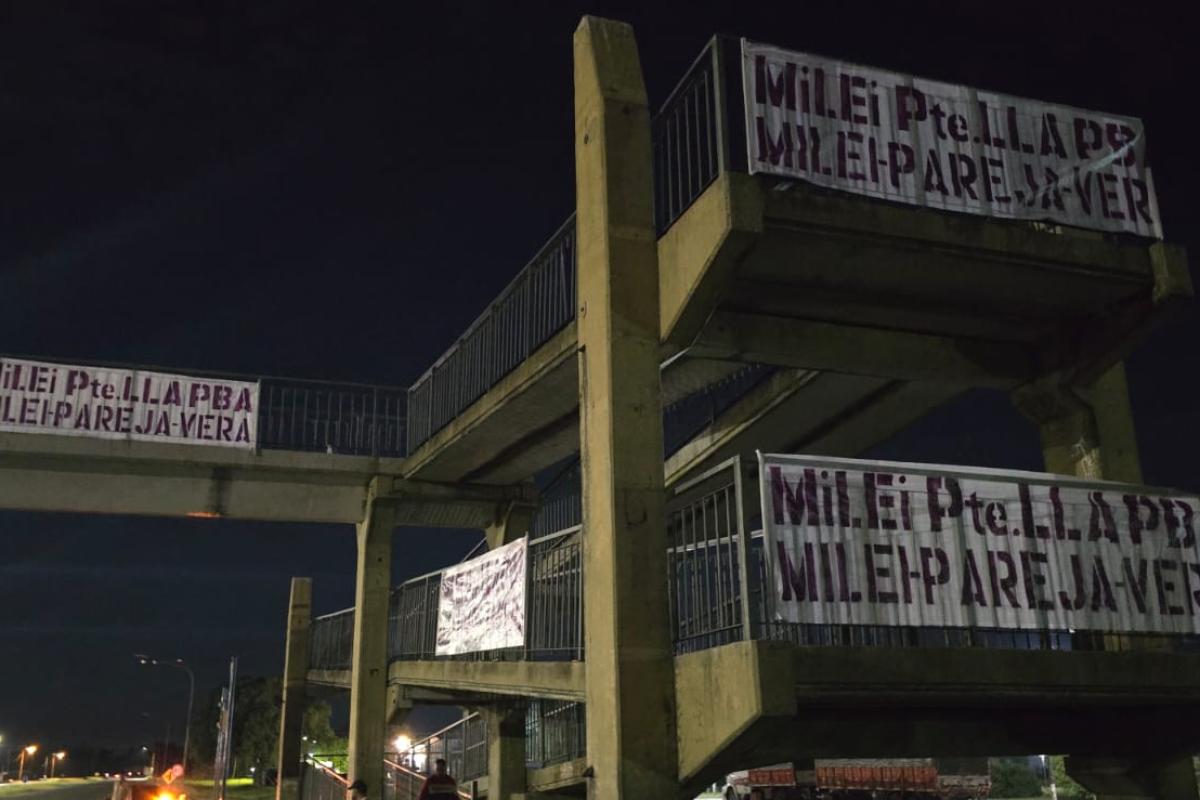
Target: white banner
x,y
882,543
40,397
482,602
910,140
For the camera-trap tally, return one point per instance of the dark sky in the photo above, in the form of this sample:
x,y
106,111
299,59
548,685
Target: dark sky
x,y
335,190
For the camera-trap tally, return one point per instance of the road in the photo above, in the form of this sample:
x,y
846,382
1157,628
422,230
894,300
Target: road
x,y
65,790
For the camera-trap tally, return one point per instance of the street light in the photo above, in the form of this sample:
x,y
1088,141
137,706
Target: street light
x,y
27,751
146,660
59,756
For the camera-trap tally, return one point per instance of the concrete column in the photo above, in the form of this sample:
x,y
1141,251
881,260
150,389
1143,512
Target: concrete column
x,y
295,679
511,524
506,750
368,674
1086,431
1128,778
630,664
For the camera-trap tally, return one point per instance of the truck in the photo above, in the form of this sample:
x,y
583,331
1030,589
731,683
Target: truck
x,y
864,779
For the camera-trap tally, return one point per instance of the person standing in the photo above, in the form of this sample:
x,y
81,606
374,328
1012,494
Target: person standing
x,y
439,784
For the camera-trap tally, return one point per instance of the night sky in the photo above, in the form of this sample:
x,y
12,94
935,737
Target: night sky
x,y
335,190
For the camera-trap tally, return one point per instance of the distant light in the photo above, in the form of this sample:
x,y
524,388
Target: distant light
x,y
204,514
31,749
403,743
252,769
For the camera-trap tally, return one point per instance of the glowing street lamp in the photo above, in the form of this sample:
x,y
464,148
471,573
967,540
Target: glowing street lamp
x,y
27,751
59,756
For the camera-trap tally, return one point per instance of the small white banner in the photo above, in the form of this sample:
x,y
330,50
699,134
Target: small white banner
x,y
909,140
107,403
881,543
482,602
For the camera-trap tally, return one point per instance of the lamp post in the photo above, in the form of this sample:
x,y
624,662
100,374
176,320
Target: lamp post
x,y
59,756
146,660
26,751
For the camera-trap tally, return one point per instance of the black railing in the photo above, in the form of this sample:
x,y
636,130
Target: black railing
x,y
331,641
555,732
694,136
538,303
347,419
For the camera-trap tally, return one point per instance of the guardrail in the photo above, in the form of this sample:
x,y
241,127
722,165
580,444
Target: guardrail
x,y
693,136
319,780
555,732
537,304
331,641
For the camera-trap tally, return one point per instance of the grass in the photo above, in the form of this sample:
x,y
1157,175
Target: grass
x,y
8,790
238,789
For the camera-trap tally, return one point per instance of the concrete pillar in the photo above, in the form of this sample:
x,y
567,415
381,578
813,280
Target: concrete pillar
x,y
1172,778
506,750
1086,431
511,524
368,674
630,663
295,679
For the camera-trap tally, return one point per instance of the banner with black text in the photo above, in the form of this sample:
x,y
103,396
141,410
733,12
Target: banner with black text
x,y
852,542
910,140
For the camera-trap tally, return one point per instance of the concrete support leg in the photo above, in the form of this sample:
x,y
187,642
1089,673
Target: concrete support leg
x,y
295,678
506,750
511,524
1086,431
630,663
1127,779
368,677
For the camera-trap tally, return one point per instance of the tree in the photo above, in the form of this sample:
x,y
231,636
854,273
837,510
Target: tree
x,y
1067,788
1011,778
256,726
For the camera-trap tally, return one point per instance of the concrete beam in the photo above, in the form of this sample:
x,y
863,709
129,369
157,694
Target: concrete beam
x,y
541,389
701,252
559,680
862,350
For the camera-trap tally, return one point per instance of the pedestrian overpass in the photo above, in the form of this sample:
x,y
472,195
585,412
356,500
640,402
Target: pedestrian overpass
x,y
689,313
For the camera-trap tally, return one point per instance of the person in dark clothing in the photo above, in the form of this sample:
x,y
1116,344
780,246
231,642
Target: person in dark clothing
x,y
357,790
439,784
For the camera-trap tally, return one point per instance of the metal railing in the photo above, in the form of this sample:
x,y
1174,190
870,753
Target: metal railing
x,y
537,304
553,608
692,136
464,746
331,641
319,780
347,419
555,732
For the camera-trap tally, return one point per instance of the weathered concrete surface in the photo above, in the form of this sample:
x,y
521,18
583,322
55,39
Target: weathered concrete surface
x,y
502,436
559,680
295,675
555,780
721,694
701,252
506,750
368,677
630,676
